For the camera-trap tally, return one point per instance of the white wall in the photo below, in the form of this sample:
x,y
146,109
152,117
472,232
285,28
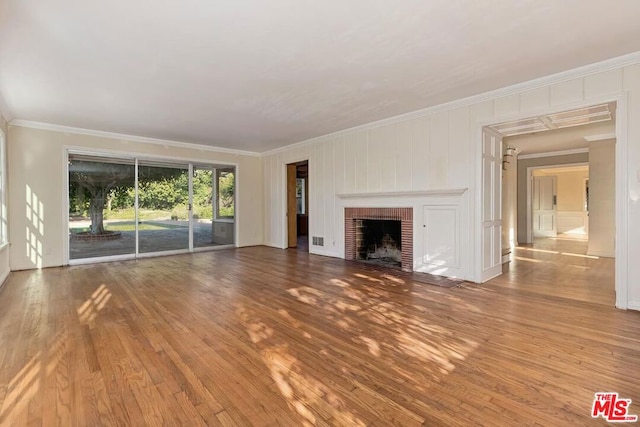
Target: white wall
x,y
4,248
37,166
602,220
438,148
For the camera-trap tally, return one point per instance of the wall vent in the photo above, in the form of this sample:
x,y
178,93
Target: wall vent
x,y
317,241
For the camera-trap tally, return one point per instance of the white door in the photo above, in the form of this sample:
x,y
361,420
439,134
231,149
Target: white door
x,y
491,205
544,206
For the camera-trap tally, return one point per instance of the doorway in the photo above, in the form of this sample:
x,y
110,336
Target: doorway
x,y
556,235
298,205
128,207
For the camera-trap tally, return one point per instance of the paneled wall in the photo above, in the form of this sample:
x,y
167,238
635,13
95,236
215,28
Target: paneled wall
x,y
437,149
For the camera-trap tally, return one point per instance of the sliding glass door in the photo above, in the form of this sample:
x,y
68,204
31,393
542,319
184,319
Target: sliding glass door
x,y
214,206
101,207
163,207
124,208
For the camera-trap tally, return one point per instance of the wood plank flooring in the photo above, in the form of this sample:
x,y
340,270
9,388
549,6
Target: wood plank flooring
x,y
266,337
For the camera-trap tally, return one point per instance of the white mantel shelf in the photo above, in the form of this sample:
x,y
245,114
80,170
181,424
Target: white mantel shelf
x,y
445,192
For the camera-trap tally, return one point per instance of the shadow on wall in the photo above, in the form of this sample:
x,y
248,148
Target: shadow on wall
x,y
35,227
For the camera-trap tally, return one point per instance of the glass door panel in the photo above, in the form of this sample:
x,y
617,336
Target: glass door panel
x,y
203,206
163,207
224,199
101,207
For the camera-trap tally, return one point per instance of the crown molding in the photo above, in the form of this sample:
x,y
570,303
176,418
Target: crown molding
x,y
5,113
551,79
130,138
602,137
553,153
443,192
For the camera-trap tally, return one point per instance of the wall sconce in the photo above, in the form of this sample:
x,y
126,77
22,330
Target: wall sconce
x,y
508,152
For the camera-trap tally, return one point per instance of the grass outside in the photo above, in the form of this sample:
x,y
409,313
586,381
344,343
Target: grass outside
x,y
178,212
129,226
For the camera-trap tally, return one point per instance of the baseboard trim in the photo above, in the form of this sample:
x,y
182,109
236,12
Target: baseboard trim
x,y
3,278
633,305
604,254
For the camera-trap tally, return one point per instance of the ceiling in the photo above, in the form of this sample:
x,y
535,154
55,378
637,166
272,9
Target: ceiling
x,y
255,75
561,169
570,138
561,120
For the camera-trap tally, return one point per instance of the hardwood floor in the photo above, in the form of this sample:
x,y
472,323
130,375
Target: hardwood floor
x,y
261,336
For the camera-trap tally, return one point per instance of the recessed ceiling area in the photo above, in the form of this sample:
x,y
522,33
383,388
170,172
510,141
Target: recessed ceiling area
x,y
565,119
254,75
560,139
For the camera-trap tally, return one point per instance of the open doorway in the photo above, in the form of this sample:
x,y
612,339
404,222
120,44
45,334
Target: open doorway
x,y
549,212
298,205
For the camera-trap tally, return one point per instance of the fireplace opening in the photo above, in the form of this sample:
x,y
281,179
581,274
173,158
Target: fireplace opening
x,y
379,242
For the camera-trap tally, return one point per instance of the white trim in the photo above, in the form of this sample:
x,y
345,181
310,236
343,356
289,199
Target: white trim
x,y
313,250
4,183
95,260
162,253
584,71
106,152
443,193
602,137
622,201
4,277
633,305
212,248
605,254
553,153
130,138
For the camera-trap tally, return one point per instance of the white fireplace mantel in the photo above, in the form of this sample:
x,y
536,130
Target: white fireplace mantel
x,y
423,193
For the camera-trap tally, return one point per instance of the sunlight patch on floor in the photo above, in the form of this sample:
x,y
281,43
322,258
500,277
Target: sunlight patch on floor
x,y
88,311
27,382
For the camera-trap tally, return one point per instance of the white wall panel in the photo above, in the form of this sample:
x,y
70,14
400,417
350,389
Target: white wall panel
x,y
328,194
631,77
387,147
317,186
506,105
339,160
419,153
360,141
535,100
566,92
602,84
403,148
350,153
459,154
377,157
438,150
481,112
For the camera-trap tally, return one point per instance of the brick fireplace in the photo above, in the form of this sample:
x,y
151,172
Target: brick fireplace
x,y
353,220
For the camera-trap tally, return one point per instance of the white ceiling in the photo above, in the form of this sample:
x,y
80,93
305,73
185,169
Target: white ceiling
x,y
255,75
